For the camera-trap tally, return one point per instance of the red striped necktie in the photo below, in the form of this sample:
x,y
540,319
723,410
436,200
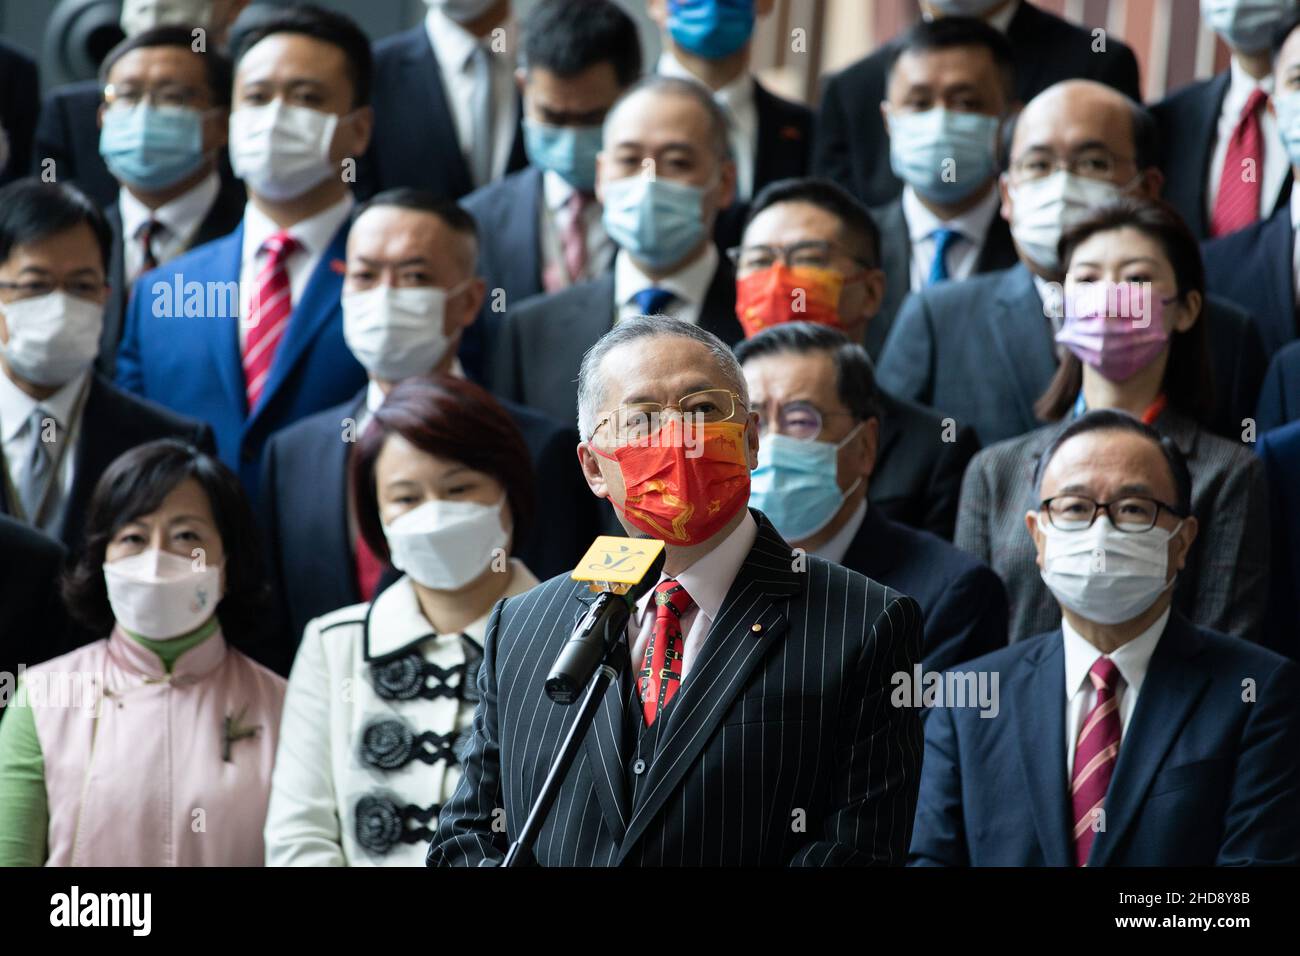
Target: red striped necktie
x,y
1237,203
268,314
661,673
1095,754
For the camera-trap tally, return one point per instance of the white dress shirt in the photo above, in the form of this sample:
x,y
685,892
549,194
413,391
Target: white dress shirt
x,y
181,218
707,581
1276,163
737,102
314,235
838,546
690,285
1132,660
454,46
963,254
555,216
16,408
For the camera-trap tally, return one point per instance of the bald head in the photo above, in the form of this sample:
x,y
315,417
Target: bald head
x,y
1073,115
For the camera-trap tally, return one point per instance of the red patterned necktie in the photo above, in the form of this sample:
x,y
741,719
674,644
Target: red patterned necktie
x,y
1094,757
269,310
1237,203
661,674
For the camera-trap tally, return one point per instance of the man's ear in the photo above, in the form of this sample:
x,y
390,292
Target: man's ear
x,y
474,297
869,443
1182,542
1031,523
873,286
751,441
1004,190
591,472
99,115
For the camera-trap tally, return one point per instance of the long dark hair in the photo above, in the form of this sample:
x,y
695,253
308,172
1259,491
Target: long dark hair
x,y
1189,379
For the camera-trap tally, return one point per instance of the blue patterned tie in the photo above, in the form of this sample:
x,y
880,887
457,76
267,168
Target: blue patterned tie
x,y
653,301
943,240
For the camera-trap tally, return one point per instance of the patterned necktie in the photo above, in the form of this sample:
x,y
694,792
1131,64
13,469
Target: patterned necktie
x,y
269,311
38,473
653,300
1237,204
481,109
147,233
661,673
574,236
943,241
1094,757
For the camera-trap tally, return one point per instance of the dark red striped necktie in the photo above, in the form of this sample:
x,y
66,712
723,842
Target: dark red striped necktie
x,y
1095,754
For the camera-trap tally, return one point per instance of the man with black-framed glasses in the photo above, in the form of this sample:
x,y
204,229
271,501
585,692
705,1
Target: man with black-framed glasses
x,y
1129,736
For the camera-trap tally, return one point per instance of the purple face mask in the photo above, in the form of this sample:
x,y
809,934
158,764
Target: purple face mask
x,y
1117,328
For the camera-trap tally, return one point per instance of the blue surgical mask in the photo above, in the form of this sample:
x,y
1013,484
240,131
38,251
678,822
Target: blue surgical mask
x,y
944,155
152,147
712,29
656,220
796,484
568,151
1246,25
1286,107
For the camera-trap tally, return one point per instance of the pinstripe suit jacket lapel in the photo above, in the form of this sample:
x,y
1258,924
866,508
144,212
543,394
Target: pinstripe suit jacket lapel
x,y
604,745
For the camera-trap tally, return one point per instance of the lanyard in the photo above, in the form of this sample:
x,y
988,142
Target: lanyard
x,y
11,493
1149,414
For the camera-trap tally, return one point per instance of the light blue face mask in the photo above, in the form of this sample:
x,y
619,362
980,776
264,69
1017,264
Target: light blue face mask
x,y
945,155
656,220
568,151
712,29
152,147
1286,108
795,483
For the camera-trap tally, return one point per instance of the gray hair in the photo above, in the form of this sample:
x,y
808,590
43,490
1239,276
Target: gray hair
x,y
591,385
719,124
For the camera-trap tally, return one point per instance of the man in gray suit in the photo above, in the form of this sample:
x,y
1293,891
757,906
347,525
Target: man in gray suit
x,y
662,176
982,350
757,727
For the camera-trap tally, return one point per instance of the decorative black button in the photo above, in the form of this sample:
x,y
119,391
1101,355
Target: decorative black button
x,y
638,768
378,824
387,744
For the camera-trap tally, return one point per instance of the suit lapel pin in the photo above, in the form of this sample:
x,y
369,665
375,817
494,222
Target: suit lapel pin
x,y
757,629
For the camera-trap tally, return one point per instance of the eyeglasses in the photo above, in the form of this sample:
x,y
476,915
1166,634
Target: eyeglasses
x,y
168,94
801,420
810,254
638,420
79,288
1133,514
1095,162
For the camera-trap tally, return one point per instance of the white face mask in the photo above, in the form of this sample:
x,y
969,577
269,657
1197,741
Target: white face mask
x,y
1105,575
52,338
1044,208
447,544
281,151
140,15
160,595
397,332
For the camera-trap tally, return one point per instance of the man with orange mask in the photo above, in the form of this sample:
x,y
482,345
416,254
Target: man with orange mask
x,y
740,630
809,254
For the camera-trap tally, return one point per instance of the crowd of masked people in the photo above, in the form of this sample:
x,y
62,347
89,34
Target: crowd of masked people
x,y
291,326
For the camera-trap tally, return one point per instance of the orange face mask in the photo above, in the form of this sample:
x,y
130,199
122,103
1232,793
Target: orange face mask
x,y
779,294
684,491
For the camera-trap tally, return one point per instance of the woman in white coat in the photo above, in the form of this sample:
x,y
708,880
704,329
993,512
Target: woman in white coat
x,y
381,694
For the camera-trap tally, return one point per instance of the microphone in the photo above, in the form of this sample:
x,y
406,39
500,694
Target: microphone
x,y
621,570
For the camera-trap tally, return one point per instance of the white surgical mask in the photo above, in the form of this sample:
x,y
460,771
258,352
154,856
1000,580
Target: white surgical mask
x,y
160,595
140,15
462,11
447,544
397,332
52,338
1044,208
1105,575
281,151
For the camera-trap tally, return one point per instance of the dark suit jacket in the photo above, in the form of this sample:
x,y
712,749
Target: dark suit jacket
x,y
1279,399
1188,120
852,147
192,363
786,709
305,510
1252,267
998,252
917,479
1204,778
68,133
114,422
223,217
33,622
20,104
964,602
1280,452
981,351
414,142
543,338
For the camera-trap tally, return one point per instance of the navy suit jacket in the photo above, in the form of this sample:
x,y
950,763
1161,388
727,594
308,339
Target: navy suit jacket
x,y
1203,777
1280,451
1188,120
852,146
963,600
20,104
192,363
981,351
68,133
1252,267
33,622
1279,399
414,142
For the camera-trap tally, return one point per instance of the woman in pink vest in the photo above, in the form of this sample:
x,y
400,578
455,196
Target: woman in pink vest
x,y
153,746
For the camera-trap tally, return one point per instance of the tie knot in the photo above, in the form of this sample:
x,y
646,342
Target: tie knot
x,y
280,246
149,229
1104,674
653,300
669,593
943,238
1256,99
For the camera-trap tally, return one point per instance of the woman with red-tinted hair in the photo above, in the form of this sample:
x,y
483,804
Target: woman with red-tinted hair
x,y
381,693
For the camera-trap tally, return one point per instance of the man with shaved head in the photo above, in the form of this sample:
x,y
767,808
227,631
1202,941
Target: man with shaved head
x,y
983,350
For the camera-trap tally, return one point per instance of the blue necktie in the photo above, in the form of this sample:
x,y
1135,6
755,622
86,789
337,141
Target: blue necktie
x,y
653,300
943,240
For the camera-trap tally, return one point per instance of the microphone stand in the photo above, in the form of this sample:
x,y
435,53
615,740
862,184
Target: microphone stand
x,y
609,670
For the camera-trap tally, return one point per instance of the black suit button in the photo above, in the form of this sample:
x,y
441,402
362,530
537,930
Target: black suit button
x,y
638,768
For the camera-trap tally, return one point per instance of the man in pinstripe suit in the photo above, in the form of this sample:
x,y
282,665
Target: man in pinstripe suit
x,y
782,746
